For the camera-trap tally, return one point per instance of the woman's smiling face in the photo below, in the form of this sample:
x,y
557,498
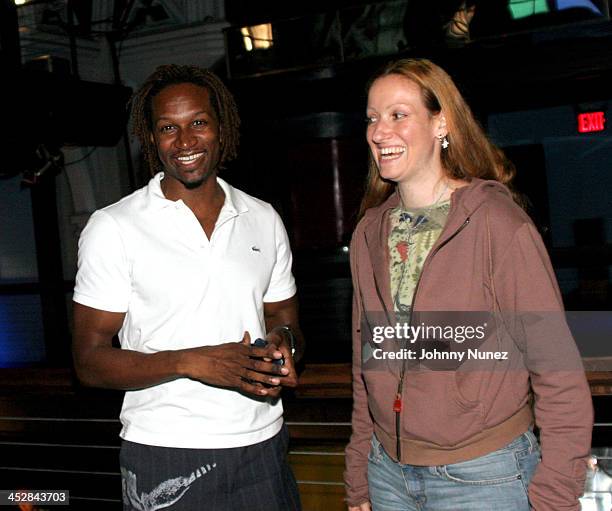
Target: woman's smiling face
x,y
402,133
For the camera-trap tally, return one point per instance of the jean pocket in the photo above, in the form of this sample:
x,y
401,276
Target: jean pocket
x,y
498,467
529,457
375,454
525,445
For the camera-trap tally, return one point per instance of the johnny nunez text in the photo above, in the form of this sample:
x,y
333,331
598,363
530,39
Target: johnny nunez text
x,y
433,354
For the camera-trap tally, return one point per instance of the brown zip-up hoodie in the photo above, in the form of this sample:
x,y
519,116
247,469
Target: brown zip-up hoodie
x,y
489,257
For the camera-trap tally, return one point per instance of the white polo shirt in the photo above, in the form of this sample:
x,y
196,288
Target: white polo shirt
x,y
149,257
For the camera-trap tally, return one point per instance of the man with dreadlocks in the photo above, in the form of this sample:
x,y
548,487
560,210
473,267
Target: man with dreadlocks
x,y
187,270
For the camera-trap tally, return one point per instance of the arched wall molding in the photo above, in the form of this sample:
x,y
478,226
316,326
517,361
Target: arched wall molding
x,y
201,45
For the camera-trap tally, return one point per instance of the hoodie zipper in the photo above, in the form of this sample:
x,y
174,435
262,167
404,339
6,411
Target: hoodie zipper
x,y
397,403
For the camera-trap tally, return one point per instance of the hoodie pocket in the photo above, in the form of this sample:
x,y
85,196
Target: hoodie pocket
x,y
470,386
436,411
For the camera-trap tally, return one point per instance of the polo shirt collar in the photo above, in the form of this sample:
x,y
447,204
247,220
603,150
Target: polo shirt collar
x,y
234,204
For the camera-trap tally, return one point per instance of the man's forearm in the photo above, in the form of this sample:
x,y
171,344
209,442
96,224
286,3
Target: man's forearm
x,y
109,367
233,365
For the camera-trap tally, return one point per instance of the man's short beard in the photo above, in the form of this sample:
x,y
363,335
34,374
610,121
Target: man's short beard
x,y
192,185
195,184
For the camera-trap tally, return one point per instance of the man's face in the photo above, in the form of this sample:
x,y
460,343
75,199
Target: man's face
x,y
185,130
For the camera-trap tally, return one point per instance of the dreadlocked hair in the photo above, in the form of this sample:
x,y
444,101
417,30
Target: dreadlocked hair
x,y
221,100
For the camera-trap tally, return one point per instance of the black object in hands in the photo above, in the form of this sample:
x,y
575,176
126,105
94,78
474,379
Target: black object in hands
x,y
262,343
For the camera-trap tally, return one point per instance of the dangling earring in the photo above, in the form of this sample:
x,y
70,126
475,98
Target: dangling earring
x,y
443,141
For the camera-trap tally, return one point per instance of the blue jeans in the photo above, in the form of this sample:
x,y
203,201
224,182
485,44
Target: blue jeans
x,y
495,482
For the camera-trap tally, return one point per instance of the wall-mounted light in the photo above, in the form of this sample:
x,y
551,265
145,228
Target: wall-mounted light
x,y
257,37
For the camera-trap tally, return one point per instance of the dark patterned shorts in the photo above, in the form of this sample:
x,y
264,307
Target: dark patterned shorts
x,y
255,478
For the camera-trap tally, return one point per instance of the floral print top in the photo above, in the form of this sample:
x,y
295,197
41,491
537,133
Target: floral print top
x,y
412,234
